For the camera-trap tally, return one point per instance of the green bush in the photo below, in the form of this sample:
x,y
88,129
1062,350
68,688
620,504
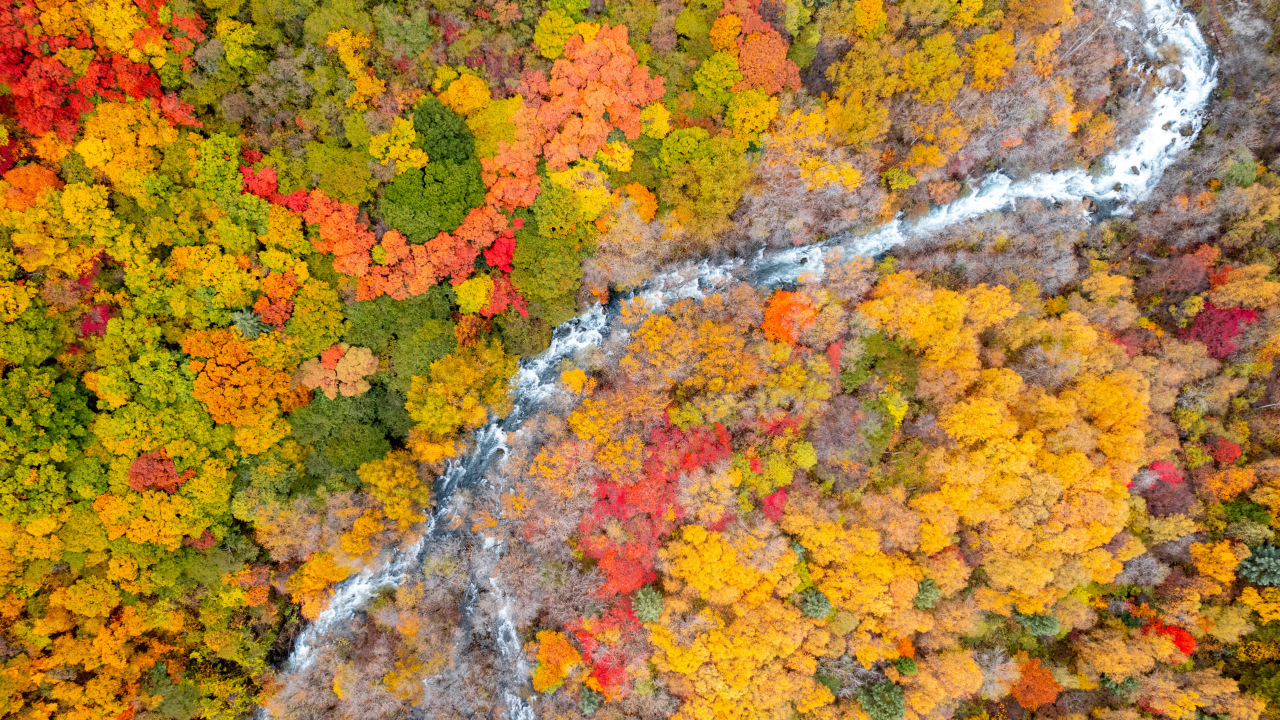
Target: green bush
x,y
441,133
435,199
1263,566
882,701
927,595
646,603
1039,625
814,604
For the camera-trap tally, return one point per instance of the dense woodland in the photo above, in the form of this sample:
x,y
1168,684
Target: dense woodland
x,y
266,265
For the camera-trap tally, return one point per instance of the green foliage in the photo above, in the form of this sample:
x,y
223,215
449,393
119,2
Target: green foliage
x,y
44,422
180,701
682,145
414,352
927,595
1261,678
717,76
882,701
249,324
333,15
574,8
217,174
906,666
814,604
441,133
647,604
342,173
897,179
554,28
413,333
423,203
1262,566
1039,625
317,319
343,434
693,26
589,701
885,358
706,177
1242,170
523,336
1120,689
1240,509
263,479
549,253
34,336
404,33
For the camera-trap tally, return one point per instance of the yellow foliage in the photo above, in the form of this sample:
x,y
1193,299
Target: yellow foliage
x,y
397,144
750,113
587,182
122,140
1247,287
1218,560
577,381
350,48
466,96
725,571
113,24
724,33
991,56
1226,484
556,660
310,584
1265,602
656,120
760,662
394,480
800,142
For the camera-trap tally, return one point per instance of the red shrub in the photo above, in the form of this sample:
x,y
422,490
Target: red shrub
x,y
1167,472
1180,637
1224,451
625,526
774,504
1218,327
156,470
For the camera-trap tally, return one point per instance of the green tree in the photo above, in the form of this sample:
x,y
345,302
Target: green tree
x,y
44,421
423,203
549,252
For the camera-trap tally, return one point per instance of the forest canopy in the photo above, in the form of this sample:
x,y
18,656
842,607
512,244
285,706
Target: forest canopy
x,y
341,373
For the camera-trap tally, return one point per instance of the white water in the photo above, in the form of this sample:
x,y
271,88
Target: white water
x,y
1133,172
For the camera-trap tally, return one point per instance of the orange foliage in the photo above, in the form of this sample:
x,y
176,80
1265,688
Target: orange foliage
x,y
512,174
27,185
597,77
787,315
1228,483
340,233
763,62
392,266
556,660
275,306
643,199
156,469
229,381
1036,686
310,584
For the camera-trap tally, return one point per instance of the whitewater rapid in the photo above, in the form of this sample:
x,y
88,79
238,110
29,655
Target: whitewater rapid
x,y
1130,174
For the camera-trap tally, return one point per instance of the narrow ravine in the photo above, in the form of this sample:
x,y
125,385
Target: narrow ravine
x,y
1176,115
